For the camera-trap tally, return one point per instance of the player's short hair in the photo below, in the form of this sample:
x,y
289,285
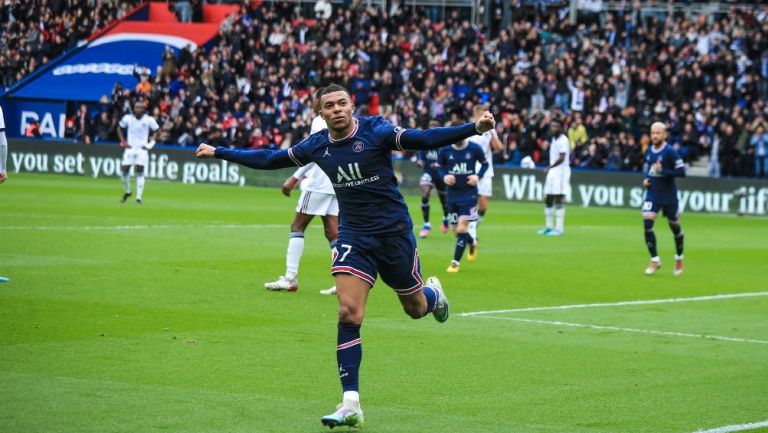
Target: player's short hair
x,y
662,125
331,89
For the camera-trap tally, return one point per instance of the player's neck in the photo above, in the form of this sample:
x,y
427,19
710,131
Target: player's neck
x,y
341,134
660,146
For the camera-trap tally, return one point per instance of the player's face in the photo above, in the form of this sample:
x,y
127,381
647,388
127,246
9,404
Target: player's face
x,y
139,109
555,129
336,109
658,135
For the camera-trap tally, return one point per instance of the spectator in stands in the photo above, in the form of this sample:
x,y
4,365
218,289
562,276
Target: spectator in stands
x,y
759,143
33,129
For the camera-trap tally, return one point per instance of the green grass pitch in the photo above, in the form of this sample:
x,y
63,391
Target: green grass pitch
x,y
153,318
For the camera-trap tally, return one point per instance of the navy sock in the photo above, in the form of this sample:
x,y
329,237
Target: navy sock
x,y
431,295
650,238
462,240
425,209
349,354
441,196
678,232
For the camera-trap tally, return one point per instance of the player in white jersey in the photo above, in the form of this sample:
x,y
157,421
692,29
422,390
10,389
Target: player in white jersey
x,y
3,148
558,183
317,198
489,142
141,129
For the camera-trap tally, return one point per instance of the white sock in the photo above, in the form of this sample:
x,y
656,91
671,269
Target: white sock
x,y
549,213
680,257
352,397
127,182
472,230
656,259
139,186
559,218
295,248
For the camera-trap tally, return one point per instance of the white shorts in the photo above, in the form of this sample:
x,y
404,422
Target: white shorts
x,y
558,183
485,186
135,157
317,203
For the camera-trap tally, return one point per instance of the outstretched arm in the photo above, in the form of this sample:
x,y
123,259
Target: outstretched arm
x,y
258,159
434,138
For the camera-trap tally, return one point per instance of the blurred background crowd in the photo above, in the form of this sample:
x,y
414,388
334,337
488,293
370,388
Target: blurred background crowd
x,y
607,76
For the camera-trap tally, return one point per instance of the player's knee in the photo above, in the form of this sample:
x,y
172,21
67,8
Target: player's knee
x,y
648,224
350,314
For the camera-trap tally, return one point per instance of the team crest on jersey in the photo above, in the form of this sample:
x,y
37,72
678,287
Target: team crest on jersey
x,y
358,146
468,156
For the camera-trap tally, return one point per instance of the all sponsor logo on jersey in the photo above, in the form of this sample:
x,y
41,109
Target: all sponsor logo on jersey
x,y
351,176
352,173
358,146
461,168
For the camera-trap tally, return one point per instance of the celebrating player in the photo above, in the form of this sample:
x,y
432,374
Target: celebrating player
x,y
558,180
427,159
489,142
662,166
141,137
458,165
317,198
375,231
3,148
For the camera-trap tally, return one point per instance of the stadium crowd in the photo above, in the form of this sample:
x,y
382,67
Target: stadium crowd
x,y
34,32
608,79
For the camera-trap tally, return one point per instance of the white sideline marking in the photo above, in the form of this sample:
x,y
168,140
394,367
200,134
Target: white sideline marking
x,y
735,427
635,330
619,304
147,227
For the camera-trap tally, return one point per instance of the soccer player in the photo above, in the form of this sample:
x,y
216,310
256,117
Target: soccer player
x,y
3,149
317,198
558,180
375,230
458,165
427,159
141,129
489,142
662,166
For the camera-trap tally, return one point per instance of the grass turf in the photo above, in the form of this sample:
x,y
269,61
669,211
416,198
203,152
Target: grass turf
x,y
153,318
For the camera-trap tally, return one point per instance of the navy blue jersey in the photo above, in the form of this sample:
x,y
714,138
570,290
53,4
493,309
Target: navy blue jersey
x,y
462,163
429,158
663,189
360,169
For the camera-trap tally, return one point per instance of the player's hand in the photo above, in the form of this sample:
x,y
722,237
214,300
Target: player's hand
x,y
123,143
646,183
656,167
420,163
205,151
472,179
485,123
449,179
3,176
289,185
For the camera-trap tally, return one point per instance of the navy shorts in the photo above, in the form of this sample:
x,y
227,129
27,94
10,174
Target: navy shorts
x,y
670,210
464,210
395,257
